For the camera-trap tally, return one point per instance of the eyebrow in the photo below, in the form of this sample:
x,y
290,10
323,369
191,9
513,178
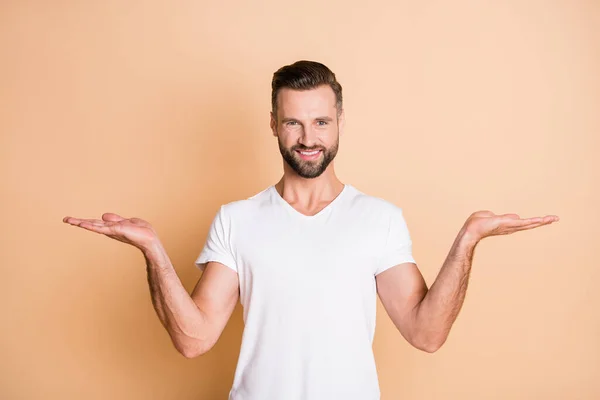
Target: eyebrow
x,y
284,120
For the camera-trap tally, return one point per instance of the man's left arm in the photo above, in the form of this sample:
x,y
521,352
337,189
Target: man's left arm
x,y
424,316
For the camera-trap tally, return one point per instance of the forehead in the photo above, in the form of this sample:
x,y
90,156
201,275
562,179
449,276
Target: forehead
x,y
319,101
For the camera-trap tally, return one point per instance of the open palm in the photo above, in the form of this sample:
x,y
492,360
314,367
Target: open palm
x,y
134,231
485,223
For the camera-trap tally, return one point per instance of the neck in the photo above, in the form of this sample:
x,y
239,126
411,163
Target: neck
x,y
296,189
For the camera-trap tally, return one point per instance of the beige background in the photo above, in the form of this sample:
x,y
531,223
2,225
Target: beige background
x,y
160,110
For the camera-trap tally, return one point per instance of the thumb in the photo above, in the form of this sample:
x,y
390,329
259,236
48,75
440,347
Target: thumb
x,y
510,216
112,217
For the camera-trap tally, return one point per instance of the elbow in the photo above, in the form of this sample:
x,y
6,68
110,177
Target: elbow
x,y
191,353
429,345
191,349
430,348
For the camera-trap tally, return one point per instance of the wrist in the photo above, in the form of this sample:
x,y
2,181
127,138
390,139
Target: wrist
x,y
468,237
152,249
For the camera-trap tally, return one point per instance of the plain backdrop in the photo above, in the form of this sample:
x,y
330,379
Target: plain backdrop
x,y
160,110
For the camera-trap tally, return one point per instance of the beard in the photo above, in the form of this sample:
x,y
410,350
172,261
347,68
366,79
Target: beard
x,y
308,168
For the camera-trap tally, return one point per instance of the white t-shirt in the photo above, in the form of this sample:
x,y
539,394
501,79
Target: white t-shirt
x,y
307,287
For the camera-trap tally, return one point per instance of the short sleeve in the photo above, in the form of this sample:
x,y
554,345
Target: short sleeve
x,y
217,246
398,245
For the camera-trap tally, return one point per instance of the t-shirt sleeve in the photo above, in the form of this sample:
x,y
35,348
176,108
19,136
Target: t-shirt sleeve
x,y
217,246
398,245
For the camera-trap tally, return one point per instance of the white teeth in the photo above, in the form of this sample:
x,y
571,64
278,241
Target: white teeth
x,y
312,153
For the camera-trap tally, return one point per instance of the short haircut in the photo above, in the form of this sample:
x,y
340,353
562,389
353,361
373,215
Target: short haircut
x,y
304,75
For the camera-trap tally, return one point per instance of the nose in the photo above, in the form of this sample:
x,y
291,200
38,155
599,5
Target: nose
x,y
309,137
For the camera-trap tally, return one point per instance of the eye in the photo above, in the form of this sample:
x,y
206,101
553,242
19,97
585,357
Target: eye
x,y
290,123
322,123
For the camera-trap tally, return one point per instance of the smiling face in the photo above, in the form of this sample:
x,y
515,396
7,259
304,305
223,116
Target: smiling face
x,y
307,127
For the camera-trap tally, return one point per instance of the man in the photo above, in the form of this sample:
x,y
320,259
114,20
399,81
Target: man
x,y
306,258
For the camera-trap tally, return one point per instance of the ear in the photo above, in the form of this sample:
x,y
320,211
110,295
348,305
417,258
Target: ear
x,y
342,122
273,124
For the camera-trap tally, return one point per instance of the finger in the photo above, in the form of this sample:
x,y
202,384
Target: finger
x,y
112,217
525,221
517,223
511,215
96,222
74,221
547,218
531,225
79,221
508,217
554,218
95,228
481,213
521,225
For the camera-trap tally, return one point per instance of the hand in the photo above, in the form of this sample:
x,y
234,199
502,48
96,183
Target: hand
x,y
485,223
134,231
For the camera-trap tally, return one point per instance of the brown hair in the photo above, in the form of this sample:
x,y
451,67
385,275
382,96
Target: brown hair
x,y
304,75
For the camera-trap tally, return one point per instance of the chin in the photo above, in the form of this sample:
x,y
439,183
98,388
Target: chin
x,y
309,175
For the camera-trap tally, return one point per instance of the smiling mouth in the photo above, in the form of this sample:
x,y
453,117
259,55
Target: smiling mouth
x,y
309,155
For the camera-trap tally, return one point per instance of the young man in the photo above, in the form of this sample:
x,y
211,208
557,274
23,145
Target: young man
x,y
307,257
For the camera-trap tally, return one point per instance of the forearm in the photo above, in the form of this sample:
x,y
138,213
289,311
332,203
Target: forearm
x,y
176,310
438,310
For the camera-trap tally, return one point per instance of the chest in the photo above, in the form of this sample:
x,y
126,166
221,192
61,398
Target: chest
x,y
319,260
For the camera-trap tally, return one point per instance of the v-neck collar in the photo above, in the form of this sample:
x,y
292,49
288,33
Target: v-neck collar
x,y
293,211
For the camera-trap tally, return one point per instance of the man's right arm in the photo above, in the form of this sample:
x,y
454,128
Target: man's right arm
x,y
196,321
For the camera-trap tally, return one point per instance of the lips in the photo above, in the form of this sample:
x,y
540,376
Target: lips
x,y
309,155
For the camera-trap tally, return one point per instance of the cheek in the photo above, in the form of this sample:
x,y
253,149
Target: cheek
x,y
328,136
286,139
289,135
291,130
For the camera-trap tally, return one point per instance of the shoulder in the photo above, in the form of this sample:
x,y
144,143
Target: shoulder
x,y
373,205
238,209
